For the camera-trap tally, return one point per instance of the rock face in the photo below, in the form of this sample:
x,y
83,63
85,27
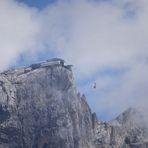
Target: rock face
x,y
128,130
41,108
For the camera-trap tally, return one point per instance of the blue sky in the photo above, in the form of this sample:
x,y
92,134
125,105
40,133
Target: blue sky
x,y
105,40
40,4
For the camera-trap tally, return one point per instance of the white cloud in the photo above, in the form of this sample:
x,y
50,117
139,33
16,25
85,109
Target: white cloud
x,y
89,34
97,35
129,89
18,31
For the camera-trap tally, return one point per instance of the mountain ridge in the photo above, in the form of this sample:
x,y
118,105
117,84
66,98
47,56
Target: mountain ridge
x,y
40,107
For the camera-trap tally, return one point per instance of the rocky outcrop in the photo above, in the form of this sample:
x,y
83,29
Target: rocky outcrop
x,y
128,130
41,108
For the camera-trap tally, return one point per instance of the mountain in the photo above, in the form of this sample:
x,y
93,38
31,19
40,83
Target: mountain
x,y
128,130
40,107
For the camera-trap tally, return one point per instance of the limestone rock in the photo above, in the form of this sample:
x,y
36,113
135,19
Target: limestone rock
x,y
128,130
41,108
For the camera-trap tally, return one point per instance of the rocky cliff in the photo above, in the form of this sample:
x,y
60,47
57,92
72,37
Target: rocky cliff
x,y
128,130
41,108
